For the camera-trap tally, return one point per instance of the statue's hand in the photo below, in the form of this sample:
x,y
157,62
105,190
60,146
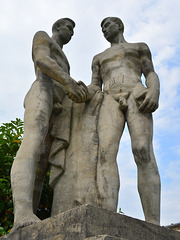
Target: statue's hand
x,y
76,91
150,102
92,89
91,93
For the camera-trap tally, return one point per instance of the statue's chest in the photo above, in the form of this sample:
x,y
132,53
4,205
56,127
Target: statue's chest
x,y
58,55
118,54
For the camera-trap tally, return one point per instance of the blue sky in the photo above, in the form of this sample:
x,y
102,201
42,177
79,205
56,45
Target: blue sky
x,y
154,22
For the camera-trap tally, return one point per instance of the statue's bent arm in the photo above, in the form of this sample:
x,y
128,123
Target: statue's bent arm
x,y
42,59
96,76
96,81
150,103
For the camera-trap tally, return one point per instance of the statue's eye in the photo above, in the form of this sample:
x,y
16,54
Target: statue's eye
x,y
70,27
107,24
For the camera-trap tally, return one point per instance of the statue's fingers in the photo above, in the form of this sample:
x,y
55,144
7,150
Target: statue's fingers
x,y
154,107
143,105
82,84
85,90
148,108
83,94
83,87
72,97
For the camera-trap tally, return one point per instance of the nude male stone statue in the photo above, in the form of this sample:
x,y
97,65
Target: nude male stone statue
x,y
53,84
119,69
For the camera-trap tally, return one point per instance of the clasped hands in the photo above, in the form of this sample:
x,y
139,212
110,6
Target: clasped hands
x,y
77,91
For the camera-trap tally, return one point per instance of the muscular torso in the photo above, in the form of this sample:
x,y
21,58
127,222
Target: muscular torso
x,y
120,67
59,57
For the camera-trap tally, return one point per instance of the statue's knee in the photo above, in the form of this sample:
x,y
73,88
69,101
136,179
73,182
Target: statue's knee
x,y
141,153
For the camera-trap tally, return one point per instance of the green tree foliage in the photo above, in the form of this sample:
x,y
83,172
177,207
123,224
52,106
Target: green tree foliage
x,y
11,135
10,139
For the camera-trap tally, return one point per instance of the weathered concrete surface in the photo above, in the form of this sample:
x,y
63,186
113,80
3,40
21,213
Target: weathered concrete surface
x,y
126,100
105,237
90,223
48,97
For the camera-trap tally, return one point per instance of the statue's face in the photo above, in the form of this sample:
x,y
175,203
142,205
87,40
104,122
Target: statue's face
x,y
65,31
110,29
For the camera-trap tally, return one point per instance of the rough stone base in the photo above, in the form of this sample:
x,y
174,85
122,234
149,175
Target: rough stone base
x,y
91,223
104,237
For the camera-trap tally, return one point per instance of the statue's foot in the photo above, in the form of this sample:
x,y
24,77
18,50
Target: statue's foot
x,y
24,221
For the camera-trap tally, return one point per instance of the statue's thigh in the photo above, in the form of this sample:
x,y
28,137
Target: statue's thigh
x,y
140,124
38,104
111,122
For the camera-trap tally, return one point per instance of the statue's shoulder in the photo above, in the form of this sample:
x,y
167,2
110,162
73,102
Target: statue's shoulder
x,y
142,46
41,34
96,59
143,50
41,42
41,37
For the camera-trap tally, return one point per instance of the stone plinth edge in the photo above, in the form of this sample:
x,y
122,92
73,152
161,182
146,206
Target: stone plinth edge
x,y
92,223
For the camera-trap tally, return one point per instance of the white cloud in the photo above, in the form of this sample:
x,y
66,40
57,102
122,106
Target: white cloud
x,y
170,204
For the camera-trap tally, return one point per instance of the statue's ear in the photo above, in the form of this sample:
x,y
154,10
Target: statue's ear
x,y
120,26
57,26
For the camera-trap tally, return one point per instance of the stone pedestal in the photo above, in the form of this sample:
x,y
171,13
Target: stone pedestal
x,y
91,223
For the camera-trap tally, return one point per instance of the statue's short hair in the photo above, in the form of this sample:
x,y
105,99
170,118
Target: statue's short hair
x,y
61,21
116,20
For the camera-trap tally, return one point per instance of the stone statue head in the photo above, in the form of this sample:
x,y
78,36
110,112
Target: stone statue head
x,y
63,29
114,19
61,22
112,28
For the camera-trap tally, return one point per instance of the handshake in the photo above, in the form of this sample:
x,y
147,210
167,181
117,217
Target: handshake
x,y
78,91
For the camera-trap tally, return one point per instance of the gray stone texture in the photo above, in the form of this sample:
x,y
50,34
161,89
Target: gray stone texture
x,y
75,130
49,95
117,71
87,222
105,237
